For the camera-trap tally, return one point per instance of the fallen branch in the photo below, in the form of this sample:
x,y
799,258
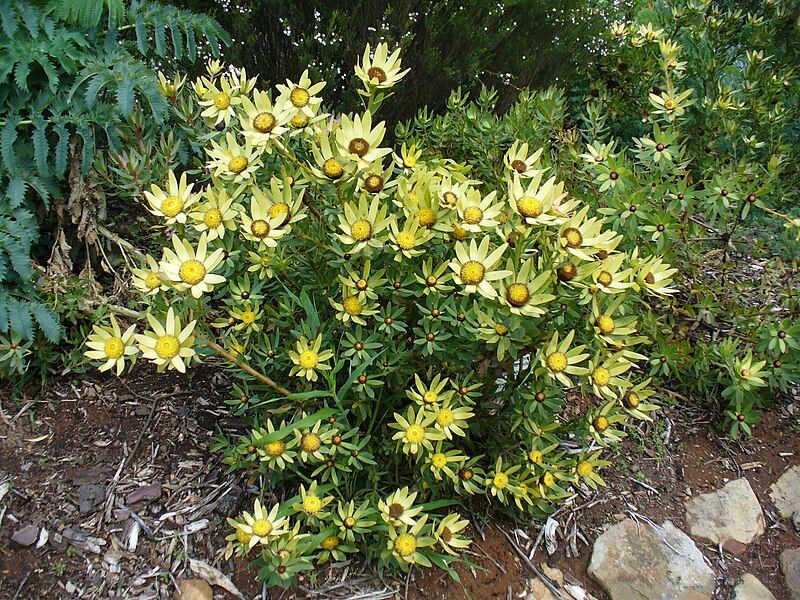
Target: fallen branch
x,y
546,580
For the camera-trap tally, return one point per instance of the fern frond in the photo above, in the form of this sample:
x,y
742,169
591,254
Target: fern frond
x,y
7,138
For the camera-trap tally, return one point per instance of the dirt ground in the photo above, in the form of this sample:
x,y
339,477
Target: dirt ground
x,y
120,475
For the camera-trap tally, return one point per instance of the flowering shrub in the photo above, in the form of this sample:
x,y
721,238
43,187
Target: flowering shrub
x,y
407,334
468,315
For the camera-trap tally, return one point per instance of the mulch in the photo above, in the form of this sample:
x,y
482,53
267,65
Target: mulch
x,y
124,497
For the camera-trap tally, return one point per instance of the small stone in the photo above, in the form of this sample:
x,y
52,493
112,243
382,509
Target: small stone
x,y
95,475
148,492
750,588
734,547
89,496
193,589
785,493
75,535
122,514
731,515
637,560
26,536
537,588
790,565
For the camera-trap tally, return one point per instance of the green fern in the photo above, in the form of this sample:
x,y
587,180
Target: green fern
x,y
75,70
88,13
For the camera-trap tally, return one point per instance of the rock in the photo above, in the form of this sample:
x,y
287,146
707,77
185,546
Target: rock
x,y
785,493
193,589
750,588
538,591
537,588
94,475
26,536
89,496
790,565
646,562
148,492
730,516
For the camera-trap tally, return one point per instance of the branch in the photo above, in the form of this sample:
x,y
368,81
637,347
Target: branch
x,y
247,368
118,240
135,314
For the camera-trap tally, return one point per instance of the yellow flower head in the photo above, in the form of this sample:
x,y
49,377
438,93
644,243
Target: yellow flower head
x,y
380,70
167,345
359,141
308,359
111,345
171,204
188,269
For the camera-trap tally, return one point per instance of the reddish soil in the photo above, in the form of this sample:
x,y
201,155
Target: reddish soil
x,y
696,461
83,430
498,571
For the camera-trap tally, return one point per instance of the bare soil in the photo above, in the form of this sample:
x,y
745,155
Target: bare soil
x,y
77,458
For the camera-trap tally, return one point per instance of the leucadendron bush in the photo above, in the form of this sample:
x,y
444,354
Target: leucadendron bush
x,y
407,334
468,317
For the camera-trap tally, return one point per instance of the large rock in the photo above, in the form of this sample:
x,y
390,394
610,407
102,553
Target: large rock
x,y
646,562
193,589
785,493
730,516
790,565
750,588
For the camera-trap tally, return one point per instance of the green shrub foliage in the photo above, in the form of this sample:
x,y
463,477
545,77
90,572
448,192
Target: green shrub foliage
x,y
73,71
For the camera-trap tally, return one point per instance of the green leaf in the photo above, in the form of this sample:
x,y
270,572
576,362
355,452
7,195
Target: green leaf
x,y
96,83
41,148
340,394
308,395
116,13
191,45
88,147
4,312
428,506
160,35
62,148
16,191
141,35
50,71
47,321
20,318
212,41
31,19
126,95
157,103
7,138
21,72
8,20
304,423
177,39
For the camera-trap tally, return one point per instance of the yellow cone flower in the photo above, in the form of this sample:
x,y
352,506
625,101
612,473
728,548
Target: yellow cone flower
x,y
111,346
189,269
167,345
